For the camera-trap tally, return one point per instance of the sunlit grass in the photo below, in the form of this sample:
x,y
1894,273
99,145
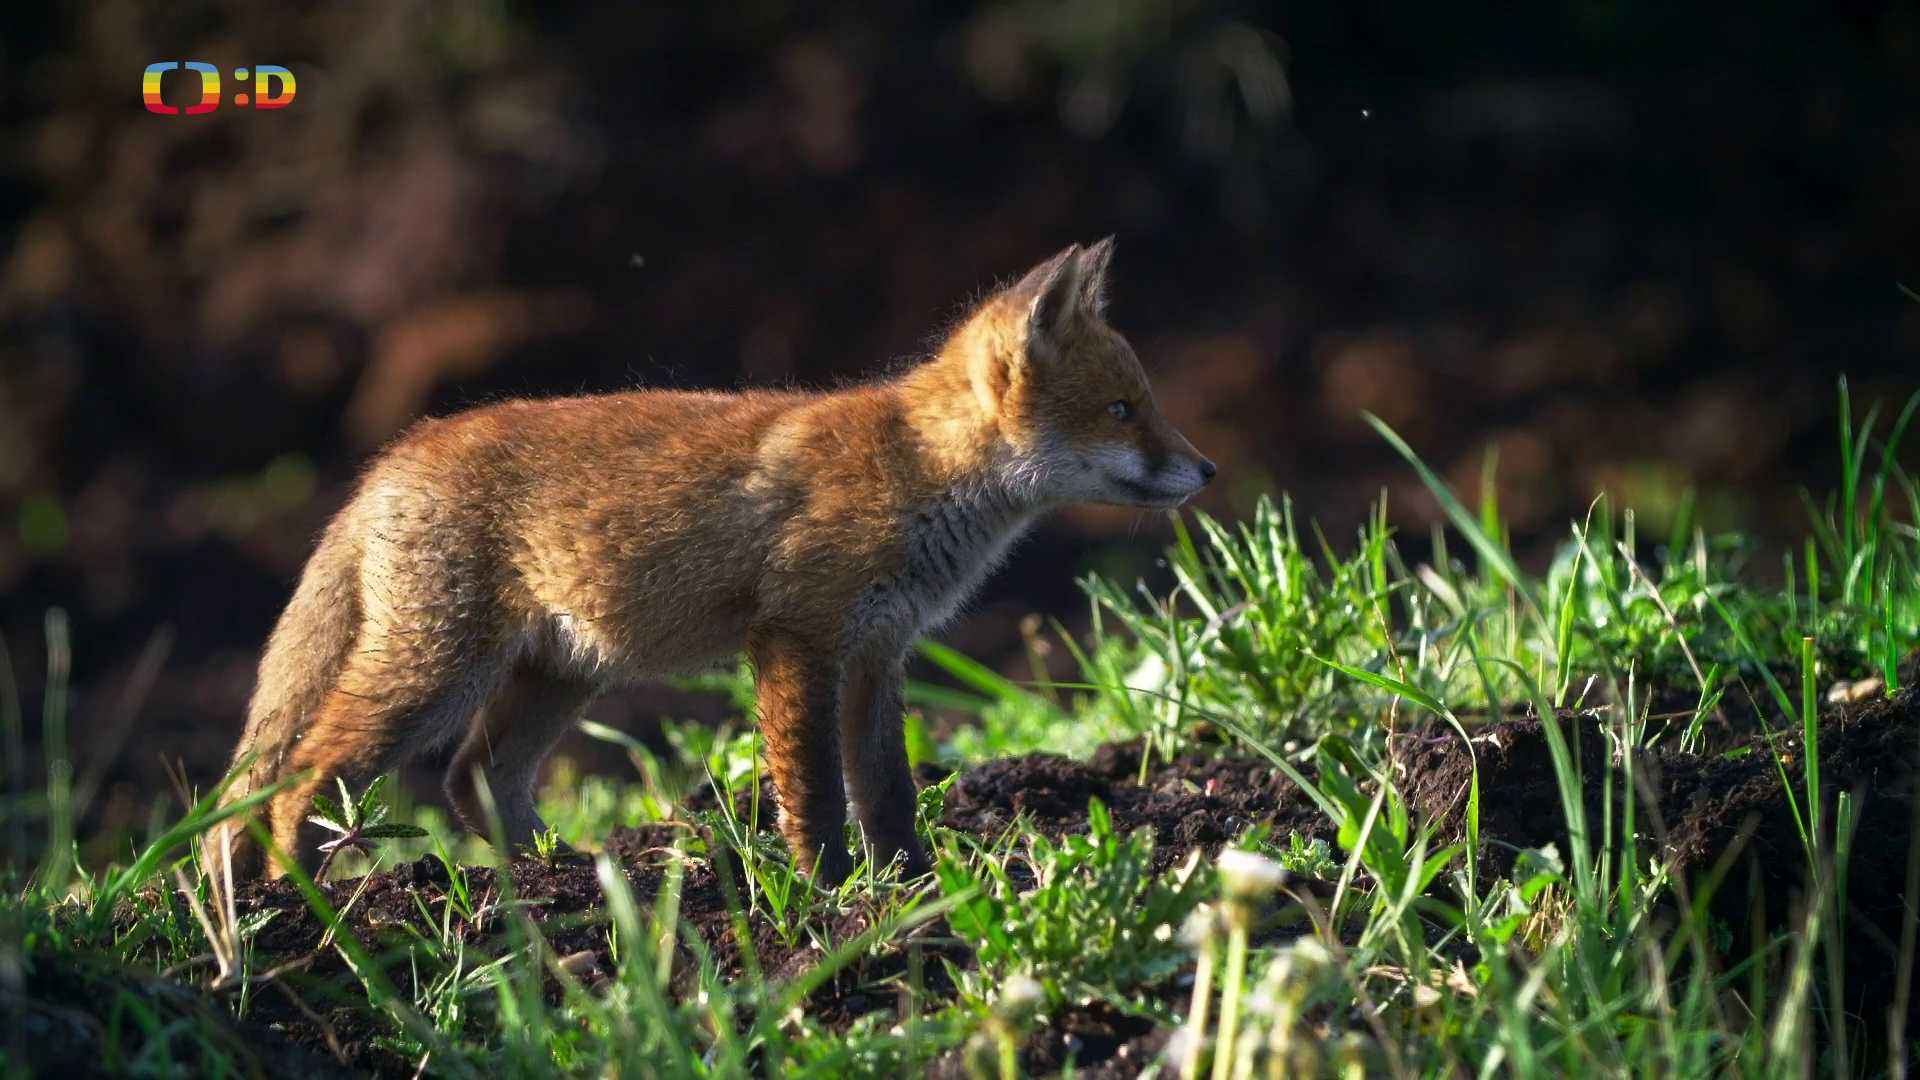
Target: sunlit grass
x,y
1411,955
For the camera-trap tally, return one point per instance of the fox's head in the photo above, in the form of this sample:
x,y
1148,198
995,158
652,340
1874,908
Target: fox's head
x,y
1069,394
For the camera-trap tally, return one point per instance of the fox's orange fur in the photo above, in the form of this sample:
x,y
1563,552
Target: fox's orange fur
x,y
497,568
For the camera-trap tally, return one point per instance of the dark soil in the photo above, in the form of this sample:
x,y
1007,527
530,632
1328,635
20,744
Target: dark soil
x,y
66,1016
1197,801
1194,802
1707,812
1097,1041
1717,815
1519,798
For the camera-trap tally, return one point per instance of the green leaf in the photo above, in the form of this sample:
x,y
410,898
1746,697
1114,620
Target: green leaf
x,y
392,831
327,814
1099,822
372,798
1435,863
1563,634
1391,685
328,823
973,673
349,807
250,924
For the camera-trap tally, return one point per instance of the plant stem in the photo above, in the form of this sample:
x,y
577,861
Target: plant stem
x,y
1197,1012
1230,991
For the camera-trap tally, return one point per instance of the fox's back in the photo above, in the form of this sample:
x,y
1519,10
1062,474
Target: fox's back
x,y
598,528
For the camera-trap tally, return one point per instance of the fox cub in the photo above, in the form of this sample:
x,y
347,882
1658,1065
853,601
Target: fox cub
x,y
497,568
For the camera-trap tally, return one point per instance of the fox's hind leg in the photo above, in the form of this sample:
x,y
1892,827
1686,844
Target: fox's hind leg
x,y
873,749
393,698
509,739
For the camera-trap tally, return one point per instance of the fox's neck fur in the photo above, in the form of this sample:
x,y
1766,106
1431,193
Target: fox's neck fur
x,y
968,446
975,489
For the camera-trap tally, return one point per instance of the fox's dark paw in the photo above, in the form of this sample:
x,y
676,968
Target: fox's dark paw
x,y
833,868
911,862
915,866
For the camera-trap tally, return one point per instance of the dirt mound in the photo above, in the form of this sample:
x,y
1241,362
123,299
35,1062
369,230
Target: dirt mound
x,y
1697,805
1717,813
1870,752
1719,807
1195,801
1520,804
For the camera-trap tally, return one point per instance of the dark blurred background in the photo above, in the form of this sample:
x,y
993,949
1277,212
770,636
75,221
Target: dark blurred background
x,y
1632,247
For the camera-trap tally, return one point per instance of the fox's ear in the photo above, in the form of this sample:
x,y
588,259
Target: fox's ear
x,y
1093,277
1052,294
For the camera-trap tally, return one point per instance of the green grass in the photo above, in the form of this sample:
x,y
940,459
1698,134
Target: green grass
x,y
1271,642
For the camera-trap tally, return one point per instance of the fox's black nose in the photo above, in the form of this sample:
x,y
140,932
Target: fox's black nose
x,y
1207,470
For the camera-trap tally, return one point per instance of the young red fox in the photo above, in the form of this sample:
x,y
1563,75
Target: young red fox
x,y
513,560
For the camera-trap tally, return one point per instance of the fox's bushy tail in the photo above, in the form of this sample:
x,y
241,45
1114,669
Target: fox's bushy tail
x,y
303,659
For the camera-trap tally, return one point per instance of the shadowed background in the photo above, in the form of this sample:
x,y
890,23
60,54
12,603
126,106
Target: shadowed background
x,y
1628,250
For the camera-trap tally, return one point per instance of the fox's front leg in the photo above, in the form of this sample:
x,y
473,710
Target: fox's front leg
x,y
873,751
799,688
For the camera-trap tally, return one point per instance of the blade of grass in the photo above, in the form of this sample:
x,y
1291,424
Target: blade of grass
x,y
1463,520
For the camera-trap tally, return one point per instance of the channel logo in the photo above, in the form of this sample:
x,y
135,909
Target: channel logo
x,y
273,87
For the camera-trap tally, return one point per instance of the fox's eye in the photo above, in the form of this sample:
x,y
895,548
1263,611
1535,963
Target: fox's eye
x,y
1121,410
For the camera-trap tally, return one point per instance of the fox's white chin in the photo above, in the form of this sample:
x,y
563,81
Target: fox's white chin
x,y
1143,497
1115,477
